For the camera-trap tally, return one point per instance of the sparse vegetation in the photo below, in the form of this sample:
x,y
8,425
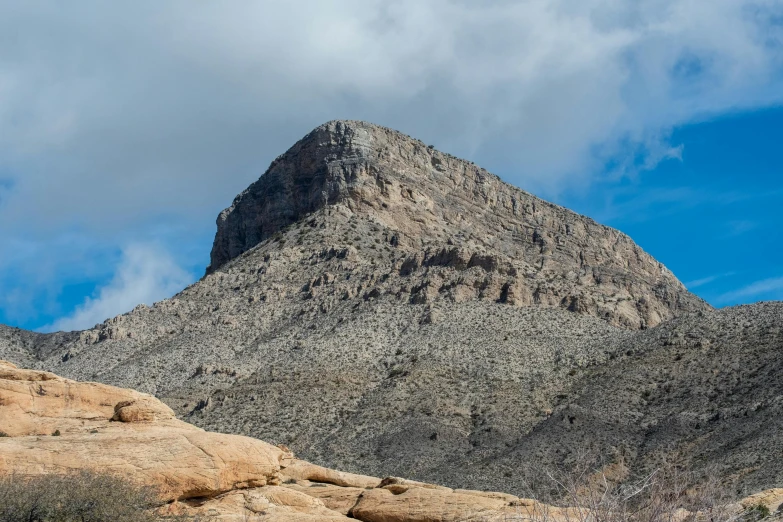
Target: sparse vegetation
x,y
757,512
611,494
77,497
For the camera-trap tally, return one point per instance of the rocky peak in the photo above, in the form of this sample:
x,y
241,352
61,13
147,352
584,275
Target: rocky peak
x,y
317,171
439,210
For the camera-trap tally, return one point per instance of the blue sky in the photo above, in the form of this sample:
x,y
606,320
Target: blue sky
x,y
124,130
712,217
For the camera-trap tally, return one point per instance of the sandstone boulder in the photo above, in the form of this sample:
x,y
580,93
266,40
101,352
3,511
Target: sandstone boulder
x,y
337,498
772,499
301,470
56,425
39,403
421,504
265,503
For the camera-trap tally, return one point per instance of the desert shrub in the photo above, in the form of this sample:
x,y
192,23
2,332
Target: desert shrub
x,y
397,372
76,497
757,512
610,493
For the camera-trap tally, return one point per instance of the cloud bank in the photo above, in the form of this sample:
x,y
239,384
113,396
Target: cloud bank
x,y
116,117
121,105
146,274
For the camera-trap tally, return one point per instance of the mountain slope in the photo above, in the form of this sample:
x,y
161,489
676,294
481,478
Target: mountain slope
x,y
703,390
24,347
379,306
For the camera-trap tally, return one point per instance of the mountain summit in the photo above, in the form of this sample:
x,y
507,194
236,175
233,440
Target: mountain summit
x,y
445,212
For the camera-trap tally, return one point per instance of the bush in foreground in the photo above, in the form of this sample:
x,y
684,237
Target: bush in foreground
x,y
669,493
77,497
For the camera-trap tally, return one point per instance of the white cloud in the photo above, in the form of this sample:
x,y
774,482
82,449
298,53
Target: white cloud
x,y
739,227
143,105
706,280
117,117
771,288
145,274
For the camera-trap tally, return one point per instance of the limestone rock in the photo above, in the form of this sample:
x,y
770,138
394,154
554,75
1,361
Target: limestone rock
x,y
422,197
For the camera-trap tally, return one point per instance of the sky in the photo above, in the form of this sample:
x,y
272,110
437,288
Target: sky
x,y
126,127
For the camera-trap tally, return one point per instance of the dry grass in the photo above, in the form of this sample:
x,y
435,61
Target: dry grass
x,y
77,497
670,493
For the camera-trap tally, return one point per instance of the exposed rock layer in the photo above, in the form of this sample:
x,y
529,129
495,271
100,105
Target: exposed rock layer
x,y
55,425
421,197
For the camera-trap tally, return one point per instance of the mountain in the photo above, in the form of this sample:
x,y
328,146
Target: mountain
x,y
384,308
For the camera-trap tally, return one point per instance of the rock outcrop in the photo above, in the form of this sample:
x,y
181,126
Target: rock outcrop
x,y
108,429
55,425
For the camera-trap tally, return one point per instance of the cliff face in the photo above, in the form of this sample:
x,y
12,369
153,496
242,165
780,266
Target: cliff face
x,y
449,212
